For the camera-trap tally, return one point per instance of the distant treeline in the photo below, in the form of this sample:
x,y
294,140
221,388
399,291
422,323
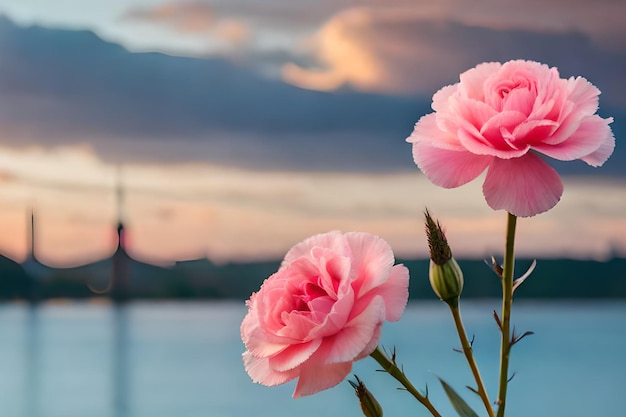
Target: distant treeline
x,y
551,278
201,279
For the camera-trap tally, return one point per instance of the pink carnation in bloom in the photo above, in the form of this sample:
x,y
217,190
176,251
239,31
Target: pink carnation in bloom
x,y
322,310
499,117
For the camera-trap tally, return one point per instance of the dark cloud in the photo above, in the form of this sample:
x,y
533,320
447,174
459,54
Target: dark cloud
x,y
60,86
70,87
418,55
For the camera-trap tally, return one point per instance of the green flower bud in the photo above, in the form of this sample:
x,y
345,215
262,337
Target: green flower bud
x,y
446,277
447,281
369,405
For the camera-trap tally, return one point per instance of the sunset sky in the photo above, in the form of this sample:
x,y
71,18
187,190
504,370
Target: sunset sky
x,y
240,127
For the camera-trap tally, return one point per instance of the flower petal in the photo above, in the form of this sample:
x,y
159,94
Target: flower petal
x,y
427,129
473,80
523,186
533,131
600,155
371,346
395,292
261,373
315,377
498,144
466,113
592,134
350,341
372,259
255,339
584,95
336,319
294,355
521,100
332,240
441,97
448,168
333,270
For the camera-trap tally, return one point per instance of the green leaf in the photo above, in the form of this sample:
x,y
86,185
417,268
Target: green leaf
x,y
458,403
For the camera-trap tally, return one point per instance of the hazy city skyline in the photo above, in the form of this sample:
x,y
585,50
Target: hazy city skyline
x,y
244,126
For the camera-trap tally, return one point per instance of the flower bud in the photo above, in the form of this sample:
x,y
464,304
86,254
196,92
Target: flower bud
x,y
369,405
446,277
447,281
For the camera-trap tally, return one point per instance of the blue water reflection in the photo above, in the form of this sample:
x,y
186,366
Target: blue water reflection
x,y
184,359
121,362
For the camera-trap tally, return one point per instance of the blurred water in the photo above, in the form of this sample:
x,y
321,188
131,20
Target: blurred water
x,y
184,360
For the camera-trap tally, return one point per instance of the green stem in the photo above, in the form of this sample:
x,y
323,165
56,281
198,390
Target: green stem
x,y
392,369
467,351
505,318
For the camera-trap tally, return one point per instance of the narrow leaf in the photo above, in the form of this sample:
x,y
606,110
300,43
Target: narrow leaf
x,y
495,266
521,279
457,402
516,339
497,319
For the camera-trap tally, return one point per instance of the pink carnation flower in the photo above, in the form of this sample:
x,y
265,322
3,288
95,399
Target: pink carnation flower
x,y
322,310
498,118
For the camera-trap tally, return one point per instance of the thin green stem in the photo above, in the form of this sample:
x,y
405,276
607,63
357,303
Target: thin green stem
x,y
469,355
505,318
392,369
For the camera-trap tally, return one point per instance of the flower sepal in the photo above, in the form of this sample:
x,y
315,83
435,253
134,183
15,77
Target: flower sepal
x,y
369,405
447,281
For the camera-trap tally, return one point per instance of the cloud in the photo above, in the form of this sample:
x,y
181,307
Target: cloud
x,y
348,60
416,46
194,18
191,17
178,211
408,53
600,20
232,31
235,28
6,176
149,106
62,87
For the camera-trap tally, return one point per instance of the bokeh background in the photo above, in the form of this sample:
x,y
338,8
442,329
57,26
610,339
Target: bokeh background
x,y
155,152
237,128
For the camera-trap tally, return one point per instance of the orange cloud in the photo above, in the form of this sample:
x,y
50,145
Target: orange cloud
x,y
232,31
417,48
345,58
371,50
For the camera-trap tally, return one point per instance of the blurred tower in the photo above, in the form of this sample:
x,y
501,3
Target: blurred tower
x,y
31,252
119,278
33,268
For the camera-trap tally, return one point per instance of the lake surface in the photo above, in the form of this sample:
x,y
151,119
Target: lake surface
x,y
184,360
